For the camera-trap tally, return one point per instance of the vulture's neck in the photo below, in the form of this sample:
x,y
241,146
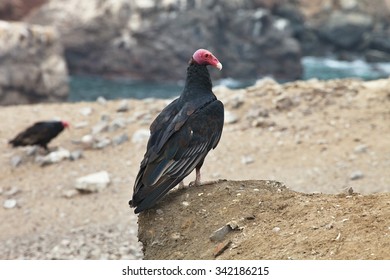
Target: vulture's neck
x,y
198,80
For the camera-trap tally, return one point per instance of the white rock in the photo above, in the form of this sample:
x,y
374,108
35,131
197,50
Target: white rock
x,y
123,106
140,136
87,139
102,143
80,125
53,157
230,117
247,160
9,203
101,100
276,229
95,182
100,127
359,149
105,117
12,191
16,161
70,193
86,111
75,155
117,123
32,150
120,139
356,175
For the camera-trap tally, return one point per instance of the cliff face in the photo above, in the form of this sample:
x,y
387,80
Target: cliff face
x,y
32,67
149,40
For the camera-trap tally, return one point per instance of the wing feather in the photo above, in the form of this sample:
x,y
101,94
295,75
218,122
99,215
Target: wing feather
x,y
180,146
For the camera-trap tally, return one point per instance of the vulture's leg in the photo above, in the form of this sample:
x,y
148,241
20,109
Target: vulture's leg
x,y
196,183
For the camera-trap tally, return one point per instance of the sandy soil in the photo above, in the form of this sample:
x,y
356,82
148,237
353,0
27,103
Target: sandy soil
x,y
312,136
265,220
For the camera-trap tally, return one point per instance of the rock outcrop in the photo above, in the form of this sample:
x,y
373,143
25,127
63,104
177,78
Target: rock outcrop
x,y
32,67
17,9
345,28
264,220
149,40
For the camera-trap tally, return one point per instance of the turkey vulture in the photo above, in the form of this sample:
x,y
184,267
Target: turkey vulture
x,y
40,133
181,135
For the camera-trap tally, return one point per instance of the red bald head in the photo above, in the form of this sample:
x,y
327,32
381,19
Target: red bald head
x,y
205,57
65,124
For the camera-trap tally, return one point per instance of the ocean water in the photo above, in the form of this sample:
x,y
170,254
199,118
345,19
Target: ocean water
x,y
89,88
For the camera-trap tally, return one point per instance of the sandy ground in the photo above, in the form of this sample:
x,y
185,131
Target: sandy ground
x,y
312,136
265,220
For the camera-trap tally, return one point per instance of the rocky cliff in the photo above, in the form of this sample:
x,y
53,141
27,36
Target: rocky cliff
x,y
32,68
345,28
149,40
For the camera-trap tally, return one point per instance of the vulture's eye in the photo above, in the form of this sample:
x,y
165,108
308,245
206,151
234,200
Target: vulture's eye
x,y
206,55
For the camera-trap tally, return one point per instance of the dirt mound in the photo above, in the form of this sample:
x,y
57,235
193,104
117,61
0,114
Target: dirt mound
x,y
265,220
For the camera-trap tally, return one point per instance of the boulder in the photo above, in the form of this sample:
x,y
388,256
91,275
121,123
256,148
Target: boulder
x,y
32,67
94,182
346,30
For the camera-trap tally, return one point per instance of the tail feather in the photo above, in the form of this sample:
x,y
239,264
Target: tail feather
x,y
143,202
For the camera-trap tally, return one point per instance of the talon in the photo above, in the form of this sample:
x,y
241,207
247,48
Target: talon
x,y
194,184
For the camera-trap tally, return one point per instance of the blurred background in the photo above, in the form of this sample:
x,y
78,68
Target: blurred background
x,y
71,50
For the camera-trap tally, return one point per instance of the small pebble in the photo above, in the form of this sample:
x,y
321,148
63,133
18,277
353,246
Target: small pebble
x,y
117,123
356,175
75,155
70,193
123,106
220,233
86,111
247,160
230,118
140,136
100,127
359,149
9,203
12,191
16,161
101,100
104,117
80,125
102,143
276,229
120,139
175,235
